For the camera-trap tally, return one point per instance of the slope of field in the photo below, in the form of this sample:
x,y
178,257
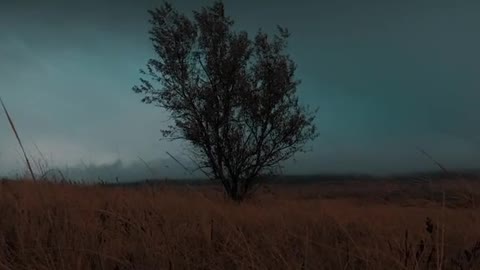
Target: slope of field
x,y
347,225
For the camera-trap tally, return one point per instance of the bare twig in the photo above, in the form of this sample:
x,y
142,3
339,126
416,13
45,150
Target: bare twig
x,y
199,168
432,159
180,163
147,166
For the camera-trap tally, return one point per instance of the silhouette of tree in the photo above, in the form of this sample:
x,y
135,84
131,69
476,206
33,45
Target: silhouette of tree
x,y
232,97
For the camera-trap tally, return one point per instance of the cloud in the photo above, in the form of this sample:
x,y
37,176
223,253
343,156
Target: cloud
x,y
20,61
158,169
385,78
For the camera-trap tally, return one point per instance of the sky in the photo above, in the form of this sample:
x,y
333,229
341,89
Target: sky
x,y
387,77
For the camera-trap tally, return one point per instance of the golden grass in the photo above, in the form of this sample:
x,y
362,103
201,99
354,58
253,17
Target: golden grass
x,y
324,226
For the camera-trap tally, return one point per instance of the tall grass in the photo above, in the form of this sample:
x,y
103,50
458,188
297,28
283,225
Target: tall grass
x,y
15,132
65,226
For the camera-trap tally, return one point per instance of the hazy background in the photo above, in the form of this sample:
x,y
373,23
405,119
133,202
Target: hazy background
x,y
387,76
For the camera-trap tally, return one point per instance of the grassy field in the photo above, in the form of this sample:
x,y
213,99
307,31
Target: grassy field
x,y
330,225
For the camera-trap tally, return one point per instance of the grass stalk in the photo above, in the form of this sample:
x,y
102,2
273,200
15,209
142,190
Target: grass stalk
x,y
12,125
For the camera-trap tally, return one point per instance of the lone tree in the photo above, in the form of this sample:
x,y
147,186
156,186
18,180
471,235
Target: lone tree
x,y
232,97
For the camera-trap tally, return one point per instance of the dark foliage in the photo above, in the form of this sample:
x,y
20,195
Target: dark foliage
x,y
232,97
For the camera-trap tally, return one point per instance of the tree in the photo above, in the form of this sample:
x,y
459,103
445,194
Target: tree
x,y
232,97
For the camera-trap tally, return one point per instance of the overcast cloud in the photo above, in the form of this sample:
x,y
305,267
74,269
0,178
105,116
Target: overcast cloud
x,y
387,76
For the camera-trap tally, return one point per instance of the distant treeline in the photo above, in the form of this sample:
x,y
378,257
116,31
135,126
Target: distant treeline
x,y
320,178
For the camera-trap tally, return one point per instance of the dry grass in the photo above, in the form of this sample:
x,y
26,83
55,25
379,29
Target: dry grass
x,y
324,226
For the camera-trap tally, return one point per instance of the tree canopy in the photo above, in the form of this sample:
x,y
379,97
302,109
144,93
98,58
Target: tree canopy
x,y
233,97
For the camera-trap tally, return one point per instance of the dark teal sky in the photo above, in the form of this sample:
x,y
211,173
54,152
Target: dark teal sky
x,y
387,76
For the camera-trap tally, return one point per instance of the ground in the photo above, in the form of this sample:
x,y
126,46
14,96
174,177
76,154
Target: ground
x,y
371,224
